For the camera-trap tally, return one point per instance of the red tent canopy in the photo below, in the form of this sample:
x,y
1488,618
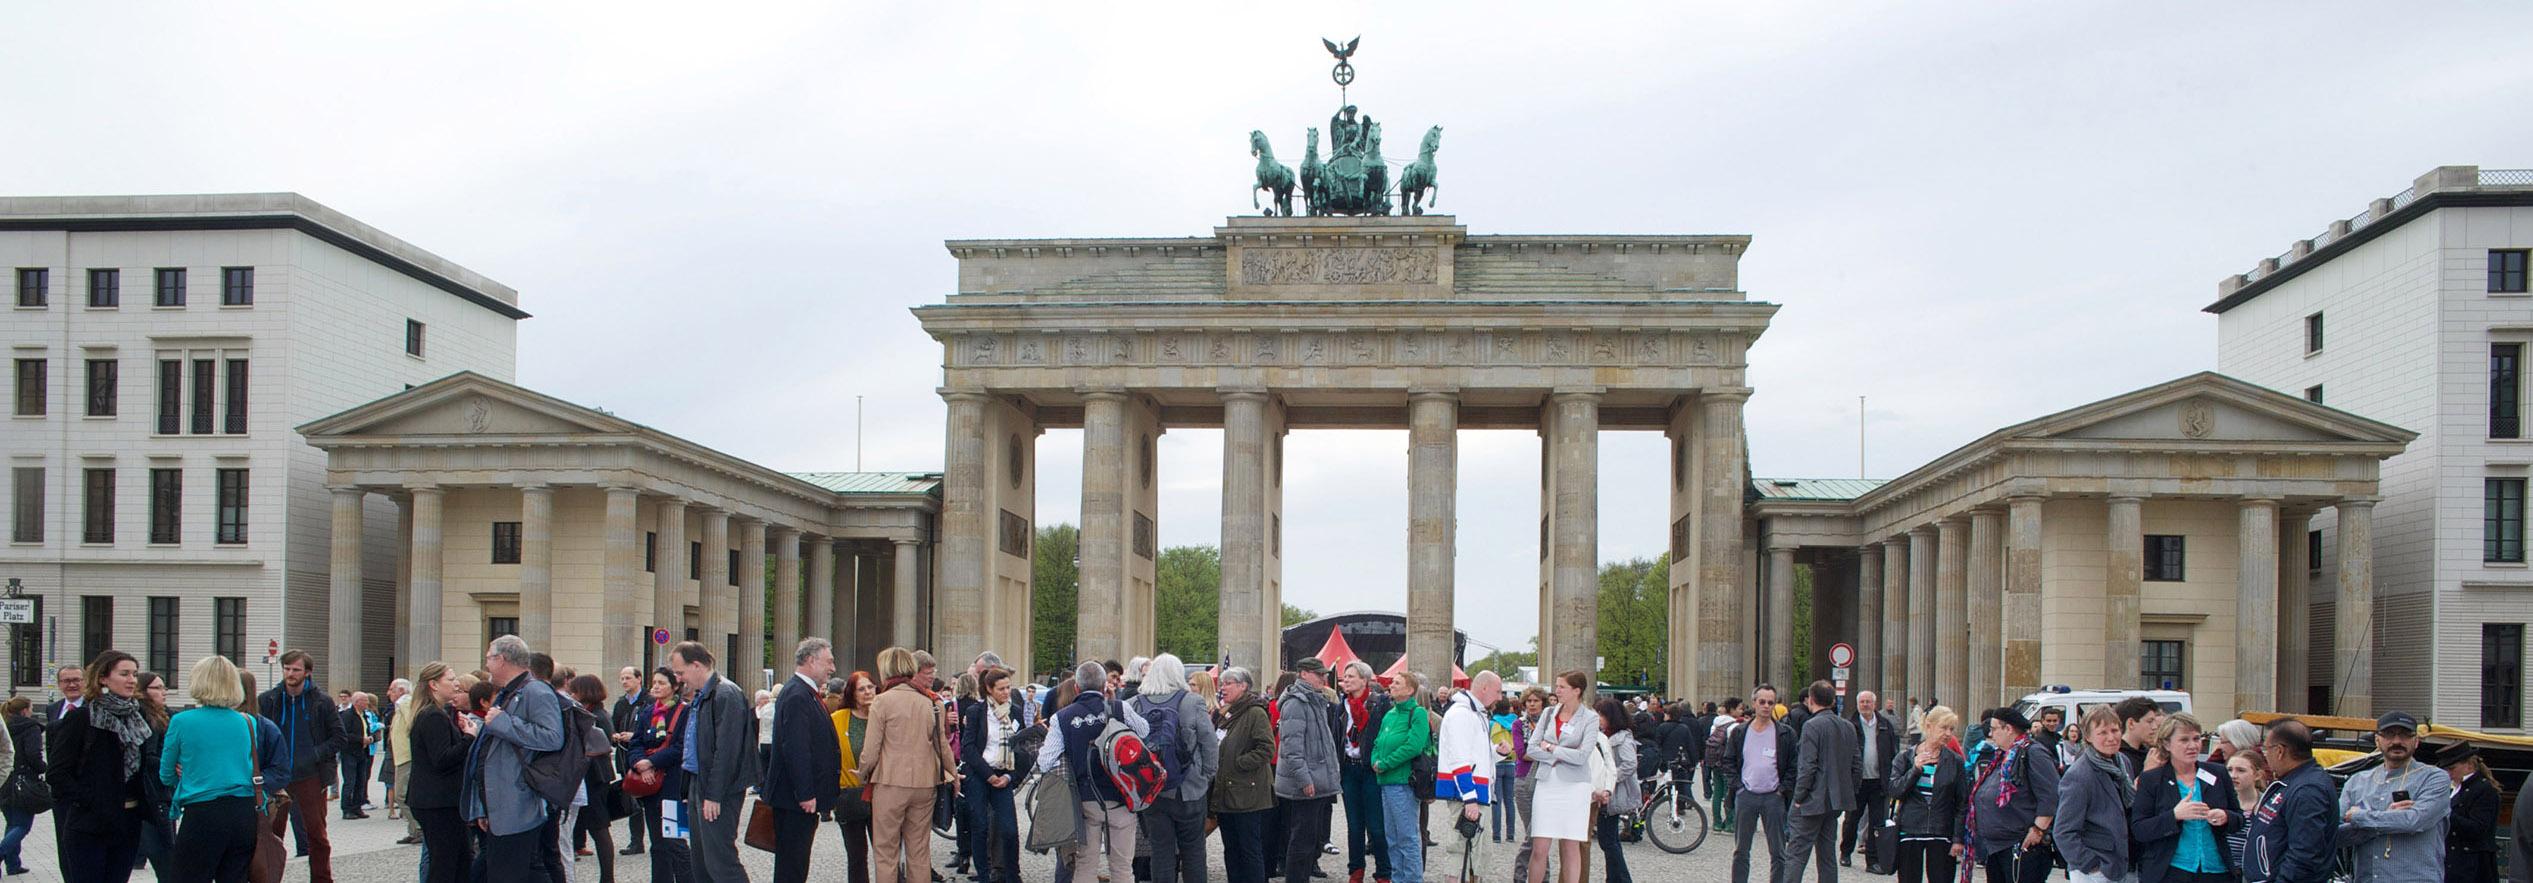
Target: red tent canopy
x,y
1336,652
1458,678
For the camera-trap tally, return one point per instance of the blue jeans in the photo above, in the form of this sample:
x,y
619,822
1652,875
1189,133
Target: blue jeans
x,y
1400,811
19,823
1500,815
1361,793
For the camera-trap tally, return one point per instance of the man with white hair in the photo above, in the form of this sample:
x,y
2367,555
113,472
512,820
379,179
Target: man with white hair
x,y
400,755
1183,737
1071,746
524,718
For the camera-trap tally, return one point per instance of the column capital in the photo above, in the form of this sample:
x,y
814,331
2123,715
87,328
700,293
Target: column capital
x,y
539,486
2257,502
420,489
1102,393
1775,545
784,530
614,486
1724,393
2356,502
1923,530
905,541
1574,393
2026,497
2127,498
964,395
1245,393
352,489
1446,394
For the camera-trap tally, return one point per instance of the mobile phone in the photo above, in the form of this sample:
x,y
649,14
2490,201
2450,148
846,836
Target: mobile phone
x,y
2401,795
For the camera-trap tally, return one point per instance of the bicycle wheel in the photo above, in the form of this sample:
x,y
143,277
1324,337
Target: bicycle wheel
x,y
1674,825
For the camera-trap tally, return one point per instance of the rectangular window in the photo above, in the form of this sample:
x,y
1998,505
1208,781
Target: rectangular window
x,y
2506,390
104,376
97,509
2313,393
32,285
650,551
203,385
695,560
26,510
26,648
31,384
2159,665
171,396
2163,558
96,625
2313,550
162,655
505,542
2313,334
734,567
105,288
497,626
232,514
2506,270
237,286
413,338
2502,520
171,286
233,419
167,499
2501,675
228,628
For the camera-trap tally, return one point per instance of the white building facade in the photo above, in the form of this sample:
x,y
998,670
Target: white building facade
x,y
162,351
2415,312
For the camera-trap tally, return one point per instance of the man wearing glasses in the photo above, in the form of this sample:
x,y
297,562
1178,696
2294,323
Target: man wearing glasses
x,y
2289,839
2393,816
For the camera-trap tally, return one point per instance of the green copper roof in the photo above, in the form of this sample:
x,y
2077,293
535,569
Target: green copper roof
x,y
874,482
1813,488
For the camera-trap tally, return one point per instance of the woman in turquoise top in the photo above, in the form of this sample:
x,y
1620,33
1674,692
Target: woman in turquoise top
x,y
210,760
2183,811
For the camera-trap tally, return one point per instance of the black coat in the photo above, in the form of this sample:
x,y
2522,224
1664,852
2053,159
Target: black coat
x,y
2157,834
311,732
624,716
2471,832
1376,706
86,772
27,737
1886,745
1787,747
806,762
1938,812
439,760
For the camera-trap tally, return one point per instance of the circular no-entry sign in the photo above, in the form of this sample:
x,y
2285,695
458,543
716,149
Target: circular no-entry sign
x,y
659,636
1841,655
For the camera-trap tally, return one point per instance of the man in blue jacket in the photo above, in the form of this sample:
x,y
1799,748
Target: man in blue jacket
x,y
524,719
2289,840
312,734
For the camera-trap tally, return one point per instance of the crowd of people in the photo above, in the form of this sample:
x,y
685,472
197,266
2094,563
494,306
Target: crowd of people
x,y
516,769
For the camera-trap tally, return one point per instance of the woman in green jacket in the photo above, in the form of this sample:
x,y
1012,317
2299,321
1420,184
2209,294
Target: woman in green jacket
x,y
1244,788
1406,734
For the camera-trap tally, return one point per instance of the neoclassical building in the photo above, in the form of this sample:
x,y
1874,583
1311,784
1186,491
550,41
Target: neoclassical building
x,y
2152,539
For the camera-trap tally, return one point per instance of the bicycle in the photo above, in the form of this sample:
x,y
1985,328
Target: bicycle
x,y
1675,824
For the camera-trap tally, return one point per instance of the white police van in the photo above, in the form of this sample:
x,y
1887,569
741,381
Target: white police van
x,y
2074,703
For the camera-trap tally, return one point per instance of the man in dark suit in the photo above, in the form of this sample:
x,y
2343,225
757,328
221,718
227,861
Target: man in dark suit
x,y
801,773
1824,785
721,766
71,680
622,719
1880,741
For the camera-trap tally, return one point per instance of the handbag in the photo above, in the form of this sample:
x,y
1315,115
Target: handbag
x,y
271,855
25,792
853,806
760,833
641,784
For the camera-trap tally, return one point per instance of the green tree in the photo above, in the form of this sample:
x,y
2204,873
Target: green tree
x,y
1633,600
1507,663
1802,631
1054,580
1187,602
1294,616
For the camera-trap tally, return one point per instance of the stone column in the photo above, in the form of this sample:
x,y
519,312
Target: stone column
x,y
1987,607
969,538
716,617
1896,599
536,566
1100,596
1868,614
1574,550
1723,477
2022,596
787,635
906,571
1952,611
1922,613
820,619
1779,617
2295,613
2256,608
404,579
2353,644
423,621
621,638
752,608
668,564
2124,574
343,596
1433,485
1242,615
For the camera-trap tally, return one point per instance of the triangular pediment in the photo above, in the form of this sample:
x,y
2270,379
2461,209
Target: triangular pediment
x,y
466,404
2209,408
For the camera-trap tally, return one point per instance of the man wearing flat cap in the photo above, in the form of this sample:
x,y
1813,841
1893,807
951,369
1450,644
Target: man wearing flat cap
x,y
2393,816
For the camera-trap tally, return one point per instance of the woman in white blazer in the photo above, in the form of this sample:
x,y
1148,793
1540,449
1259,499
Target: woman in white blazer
x,y
1561,762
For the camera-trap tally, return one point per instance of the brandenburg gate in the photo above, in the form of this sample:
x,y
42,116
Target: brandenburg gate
x,y
1276,323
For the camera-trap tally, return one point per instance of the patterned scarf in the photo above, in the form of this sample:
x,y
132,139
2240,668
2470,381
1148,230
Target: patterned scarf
x,y
122,717
2004,795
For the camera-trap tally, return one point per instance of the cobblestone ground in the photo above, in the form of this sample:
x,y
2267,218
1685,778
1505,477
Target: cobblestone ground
x,y
366,852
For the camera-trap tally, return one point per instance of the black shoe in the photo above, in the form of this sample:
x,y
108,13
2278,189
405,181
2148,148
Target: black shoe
x,y
630,850
355,814
16,871
1846,861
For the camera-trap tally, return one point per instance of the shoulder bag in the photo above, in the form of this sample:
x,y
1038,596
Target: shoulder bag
x,y
271,855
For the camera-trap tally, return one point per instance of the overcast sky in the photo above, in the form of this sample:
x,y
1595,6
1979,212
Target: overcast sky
x,y
1972,214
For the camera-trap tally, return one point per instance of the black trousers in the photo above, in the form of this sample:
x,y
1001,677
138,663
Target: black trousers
x,y
1613,854
795,832
1176,830
1244,846
103,856
2016,866
447,853
510,854
670,860
1870,810
1306,831
857,840
592,823
1927,861
214,842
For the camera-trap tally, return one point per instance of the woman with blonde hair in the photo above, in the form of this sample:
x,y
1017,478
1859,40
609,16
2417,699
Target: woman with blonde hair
x,y
1932,793
2183,811
904,756
209,757
441,738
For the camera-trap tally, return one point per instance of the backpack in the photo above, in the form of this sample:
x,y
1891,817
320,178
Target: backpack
x,y
1129,764
556,775
1604,767
1055,818
1162,719
1716,738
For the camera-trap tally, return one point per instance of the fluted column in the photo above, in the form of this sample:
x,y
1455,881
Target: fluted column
x,y
2295,612
1723,477
1952,611
752,656
1868,618
1780,651
1922,613
2022,595
970,539
2353,622
343,596
716,616
2122,580
668,564
906,570
1433,484
2256,607
405,658
1242,612
786,544
1896,599
423,621
622,638
1987,608
536,566
1099,599
1574,550
820,619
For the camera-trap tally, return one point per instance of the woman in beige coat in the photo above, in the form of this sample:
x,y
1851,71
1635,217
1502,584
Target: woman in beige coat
x,y
903,758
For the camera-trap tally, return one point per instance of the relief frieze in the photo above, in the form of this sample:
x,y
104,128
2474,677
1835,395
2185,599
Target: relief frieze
x,y
1339,266
1365,348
